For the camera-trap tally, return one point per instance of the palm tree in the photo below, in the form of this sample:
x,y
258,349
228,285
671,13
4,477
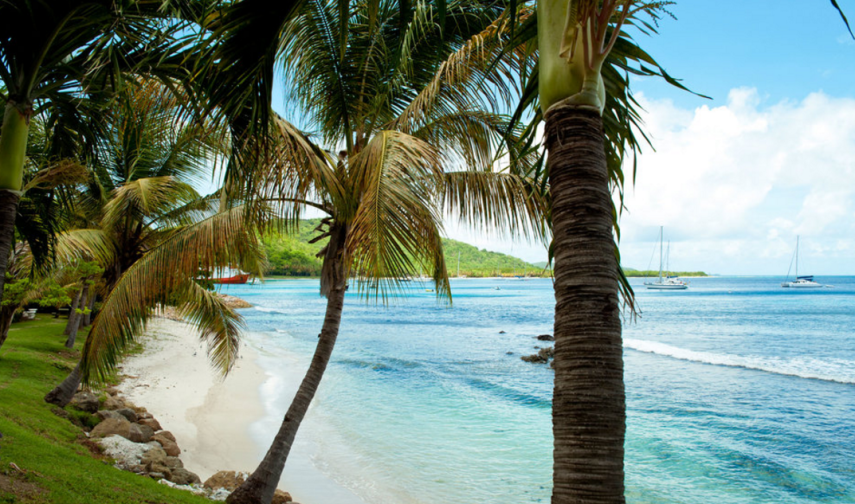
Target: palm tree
x,y
51,51
141,219
580,43
404,100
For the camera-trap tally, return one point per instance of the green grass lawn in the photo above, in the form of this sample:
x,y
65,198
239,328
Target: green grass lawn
x,y
53,457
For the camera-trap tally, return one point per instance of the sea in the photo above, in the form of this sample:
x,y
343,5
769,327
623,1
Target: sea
x,y
738,391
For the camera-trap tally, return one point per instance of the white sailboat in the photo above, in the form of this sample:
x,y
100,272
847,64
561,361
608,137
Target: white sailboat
x,y
666,282
801,282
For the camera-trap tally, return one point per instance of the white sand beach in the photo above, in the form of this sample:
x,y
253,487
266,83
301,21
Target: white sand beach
x,y
218,423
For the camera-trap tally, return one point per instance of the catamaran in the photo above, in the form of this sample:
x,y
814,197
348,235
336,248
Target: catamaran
x,y
667,282
801,282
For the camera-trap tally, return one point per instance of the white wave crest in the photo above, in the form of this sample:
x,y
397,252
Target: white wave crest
x,y
834,370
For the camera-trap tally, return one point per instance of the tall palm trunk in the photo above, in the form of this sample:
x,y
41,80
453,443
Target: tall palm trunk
x,y
78,317
13,147
62,394
259,487
589,402
6,314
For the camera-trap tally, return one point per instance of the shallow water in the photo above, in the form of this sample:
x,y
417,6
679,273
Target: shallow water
x,y
738,391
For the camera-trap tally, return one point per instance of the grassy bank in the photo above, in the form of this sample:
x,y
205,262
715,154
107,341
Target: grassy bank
x,y
54,457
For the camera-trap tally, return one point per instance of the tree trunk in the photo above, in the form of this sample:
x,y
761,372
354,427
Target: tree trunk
x,y
78,319
589,401
72,315
62,394
13,147
87,319
260,486
6,314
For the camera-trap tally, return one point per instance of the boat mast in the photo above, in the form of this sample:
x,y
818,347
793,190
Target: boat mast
x,y
661,228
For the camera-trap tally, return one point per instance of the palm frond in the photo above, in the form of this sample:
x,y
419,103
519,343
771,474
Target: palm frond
x,y
218,324
222,240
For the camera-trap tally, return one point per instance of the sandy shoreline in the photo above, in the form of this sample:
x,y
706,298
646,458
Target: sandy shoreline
x,y
223,424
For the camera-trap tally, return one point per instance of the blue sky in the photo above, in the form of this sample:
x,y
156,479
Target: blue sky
x,y
772,155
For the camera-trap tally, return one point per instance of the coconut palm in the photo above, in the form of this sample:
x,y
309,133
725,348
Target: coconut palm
x,y
53,50
143,221
590,121
410,108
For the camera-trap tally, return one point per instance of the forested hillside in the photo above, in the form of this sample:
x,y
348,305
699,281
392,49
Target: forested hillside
x,y
293,255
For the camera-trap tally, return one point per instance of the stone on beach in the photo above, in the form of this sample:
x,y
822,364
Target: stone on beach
x,y
126,453
128,413
85,401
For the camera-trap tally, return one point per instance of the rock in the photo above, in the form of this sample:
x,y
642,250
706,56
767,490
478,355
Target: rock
x,y
170,447
155,456
126,453
219,494
142,415
136,435
501,332
85,401
175,463
546,353
234,302
150,421
168,435
533,358
113,403
137,469
105,414
509,353
111,391
147,432
182,476
110,426
128,413
280,497
546,337
156,475
228,480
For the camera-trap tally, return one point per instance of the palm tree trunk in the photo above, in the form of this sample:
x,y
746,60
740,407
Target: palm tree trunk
x,y
73,316
259,487
589,402
13,146
87,318
78,319
64,392
6,314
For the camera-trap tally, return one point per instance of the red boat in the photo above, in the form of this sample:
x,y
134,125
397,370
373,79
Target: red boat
x,y
237,279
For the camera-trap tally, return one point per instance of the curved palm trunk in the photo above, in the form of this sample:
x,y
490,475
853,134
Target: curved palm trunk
x,y
73,316
259,487
6,314
64,392
13,146
589,403
78,317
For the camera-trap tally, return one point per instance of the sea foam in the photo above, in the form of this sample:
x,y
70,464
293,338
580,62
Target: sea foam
x,y
833,370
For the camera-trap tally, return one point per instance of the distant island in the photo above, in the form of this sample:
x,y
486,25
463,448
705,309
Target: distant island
x,y
630,272
291,255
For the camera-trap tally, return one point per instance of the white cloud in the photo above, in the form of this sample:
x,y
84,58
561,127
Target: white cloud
x,y
734,184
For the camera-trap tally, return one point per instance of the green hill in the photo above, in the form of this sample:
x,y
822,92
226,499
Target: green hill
x,y
293,255
630,272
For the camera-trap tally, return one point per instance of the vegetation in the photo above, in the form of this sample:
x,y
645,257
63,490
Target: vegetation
x,y
292,255
629,272
46,458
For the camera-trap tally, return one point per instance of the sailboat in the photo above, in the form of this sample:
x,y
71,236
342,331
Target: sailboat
x,y
801,282
667,282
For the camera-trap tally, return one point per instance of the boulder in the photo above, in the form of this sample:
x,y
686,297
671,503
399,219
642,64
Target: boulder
x,y
111,391
105,414
125,452
128,413
533,358
170,447
113,403
546,353
141,415
545,337
168,435
181,476
156,475
147,432
135,434
228,480
150,421
280,497
154,456
174,463
501,332
110,426
85,401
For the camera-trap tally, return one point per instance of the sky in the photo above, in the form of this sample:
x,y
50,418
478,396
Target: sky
x,y
771,156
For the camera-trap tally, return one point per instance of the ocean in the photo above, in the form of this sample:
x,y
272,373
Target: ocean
x,y
738,391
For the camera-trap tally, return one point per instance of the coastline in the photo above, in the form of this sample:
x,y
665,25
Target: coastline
x,y
224,424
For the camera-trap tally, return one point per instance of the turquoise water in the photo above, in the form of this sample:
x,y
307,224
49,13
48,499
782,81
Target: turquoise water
x,y
738,391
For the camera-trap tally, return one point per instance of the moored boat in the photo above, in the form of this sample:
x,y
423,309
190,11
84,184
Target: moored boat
x,y
667,282
237,279
801,282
